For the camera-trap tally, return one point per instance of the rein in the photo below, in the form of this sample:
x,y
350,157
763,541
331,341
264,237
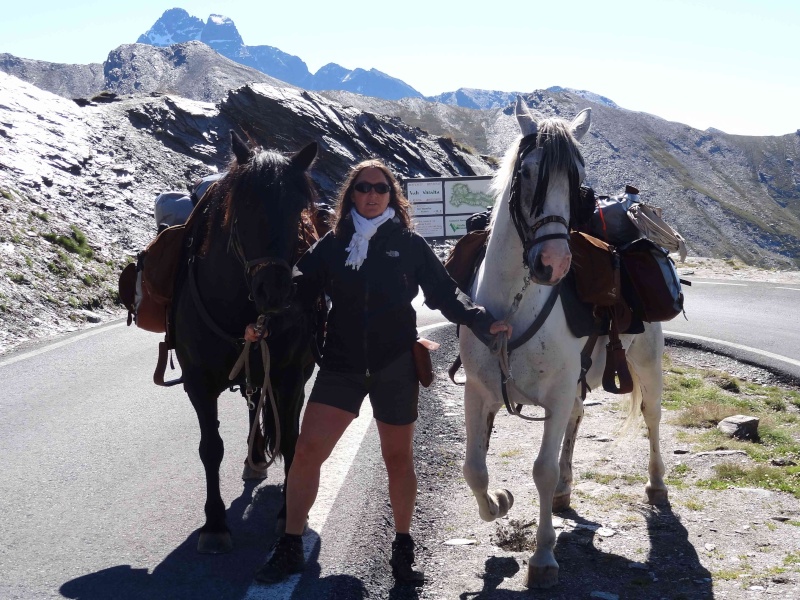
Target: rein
x,y
502,348
266,389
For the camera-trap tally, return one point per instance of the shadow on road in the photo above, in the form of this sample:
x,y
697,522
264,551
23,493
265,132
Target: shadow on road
x,y
186,574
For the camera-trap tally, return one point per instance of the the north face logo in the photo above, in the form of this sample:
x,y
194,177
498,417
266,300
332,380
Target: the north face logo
x,y
392,253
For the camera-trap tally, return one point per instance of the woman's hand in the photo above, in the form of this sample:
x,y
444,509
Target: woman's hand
x,y
251,334
499,326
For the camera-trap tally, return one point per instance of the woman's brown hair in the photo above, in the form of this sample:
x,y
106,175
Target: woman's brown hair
x,y
344,199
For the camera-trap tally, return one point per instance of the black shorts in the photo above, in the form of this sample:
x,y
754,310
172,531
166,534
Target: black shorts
x,y
393,391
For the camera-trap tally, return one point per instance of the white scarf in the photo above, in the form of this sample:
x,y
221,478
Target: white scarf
x,y
365,229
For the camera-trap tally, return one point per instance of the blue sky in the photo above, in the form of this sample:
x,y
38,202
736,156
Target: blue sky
x,y
729,64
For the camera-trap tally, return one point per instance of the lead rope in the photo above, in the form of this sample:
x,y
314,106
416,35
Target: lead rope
x,y
266,389
504,358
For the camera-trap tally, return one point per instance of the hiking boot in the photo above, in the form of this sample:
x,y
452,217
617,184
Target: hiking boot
x,y
402,561
287,558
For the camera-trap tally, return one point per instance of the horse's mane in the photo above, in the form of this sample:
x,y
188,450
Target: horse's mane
x,y
258,177
560,152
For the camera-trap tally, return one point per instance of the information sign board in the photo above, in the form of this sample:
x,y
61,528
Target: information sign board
x,y
440,206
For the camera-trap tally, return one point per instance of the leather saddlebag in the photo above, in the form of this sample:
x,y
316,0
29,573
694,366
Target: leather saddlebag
x,y
652,276
422,360
464,256
596,266
161,264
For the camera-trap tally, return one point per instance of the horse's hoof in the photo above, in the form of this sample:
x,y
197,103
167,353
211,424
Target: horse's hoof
x,y
540,578
214,543
505,500
659,497
561,503
250,473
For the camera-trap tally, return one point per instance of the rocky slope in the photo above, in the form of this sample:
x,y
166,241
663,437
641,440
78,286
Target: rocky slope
x,y
77,183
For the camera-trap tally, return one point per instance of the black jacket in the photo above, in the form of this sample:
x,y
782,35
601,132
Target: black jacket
x,y
372,321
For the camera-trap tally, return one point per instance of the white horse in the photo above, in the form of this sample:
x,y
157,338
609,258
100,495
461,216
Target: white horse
x,y
537,193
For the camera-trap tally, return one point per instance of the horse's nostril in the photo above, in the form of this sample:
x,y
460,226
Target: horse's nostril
x,y
541,271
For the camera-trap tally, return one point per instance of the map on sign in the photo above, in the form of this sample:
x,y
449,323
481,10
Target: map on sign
x,y
462,194
467,196
442,205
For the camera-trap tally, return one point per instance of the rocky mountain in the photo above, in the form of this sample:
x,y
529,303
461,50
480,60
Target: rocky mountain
x,y
220,33
78,180
190,69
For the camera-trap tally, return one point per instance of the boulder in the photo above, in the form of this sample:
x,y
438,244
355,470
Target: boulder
x,y
742,427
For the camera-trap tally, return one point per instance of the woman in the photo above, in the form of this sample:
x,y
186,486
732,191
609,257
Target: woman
x,y
371,265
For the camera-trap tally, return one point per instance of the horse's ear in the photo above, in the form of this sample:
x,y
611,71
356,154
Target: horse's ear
x,y
303,159
527,124
581,123
240,148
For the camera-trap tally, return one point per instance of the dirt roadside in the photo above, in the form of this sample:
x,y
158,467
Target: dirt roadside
x,y
733,543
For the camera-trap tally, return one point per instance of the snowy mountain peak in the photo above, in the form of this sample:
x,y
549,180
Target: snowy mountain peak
x,y
174,27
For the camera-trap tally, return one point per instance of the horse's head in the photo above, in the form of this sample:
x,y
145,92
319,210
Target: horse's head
x,y
545,190
266,193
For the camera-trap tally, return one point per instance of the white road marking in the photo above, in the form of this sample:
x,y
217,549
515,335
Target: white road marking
x,y
66,342
786,288
772,355
332,478
718,283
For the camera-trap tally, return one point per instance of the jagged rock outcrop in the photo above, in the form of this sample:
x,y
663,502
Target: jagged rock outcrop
x,y
77,183
190,69
347,135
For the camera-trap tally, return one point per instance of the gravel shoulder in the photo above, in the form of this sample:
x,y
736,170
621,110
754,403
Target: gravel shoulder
x,y
733,543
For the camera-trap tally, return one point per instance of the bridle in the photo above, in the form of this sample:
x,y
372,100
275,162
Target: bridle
x,y
527,233
251,267
528,236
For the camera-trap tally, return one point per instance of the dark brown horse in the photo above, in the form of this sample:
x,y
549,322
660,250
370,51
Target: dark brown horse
x,y
238,267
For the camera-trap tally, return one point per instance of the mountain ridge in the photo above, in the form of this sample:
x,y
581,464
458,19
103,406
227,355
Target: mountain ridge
x,y
176,25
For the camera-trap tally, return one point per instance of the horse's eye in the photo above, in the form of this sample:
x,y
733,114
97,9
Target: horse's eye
x,y
526,172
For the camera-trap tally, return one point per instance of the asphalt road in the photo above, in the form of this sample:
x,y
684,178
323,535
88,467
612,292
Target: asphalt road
x,y
755,322
102,488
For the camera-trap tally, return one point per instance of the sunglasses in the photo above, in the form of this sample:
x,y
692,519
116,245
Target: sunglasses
x,y
366,187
